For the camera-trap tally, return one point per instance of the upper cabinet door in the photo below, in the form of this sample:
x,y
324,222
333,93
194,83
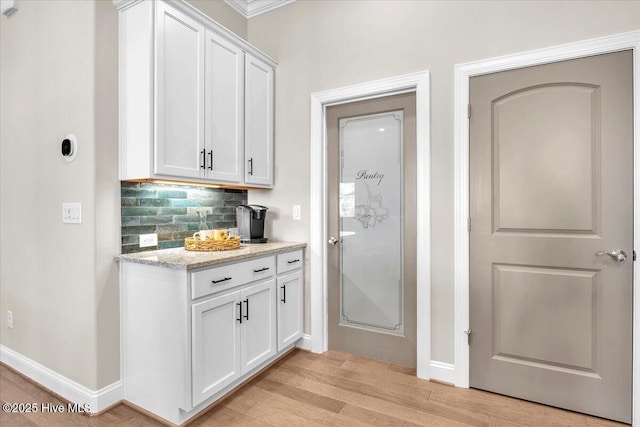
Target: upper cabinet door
x,y
179,89
258,122
224,109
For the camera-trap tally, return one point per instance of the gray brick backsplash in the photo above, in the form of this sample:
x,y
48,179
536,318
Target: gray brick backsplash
x,y
171,212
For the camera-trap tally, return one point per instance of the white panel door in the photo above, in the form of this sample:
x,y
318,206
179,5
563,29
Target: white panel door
x,y
290,303
224,101
215,345
258,122
258,342
179,90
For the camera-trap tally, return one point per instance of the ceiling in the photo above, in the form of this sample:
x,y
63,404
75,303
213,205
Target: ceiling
x,y
251,8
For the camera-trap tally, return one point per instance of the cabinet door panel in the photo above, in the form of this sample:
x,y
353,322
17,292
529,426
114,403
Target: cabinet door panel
x,y
259,329
224,132
290,303
215,345
179,120
258,122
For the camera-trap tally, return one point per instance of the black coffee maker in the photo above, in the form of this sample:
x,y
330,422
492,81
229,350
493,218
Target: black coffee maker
x,y
250,220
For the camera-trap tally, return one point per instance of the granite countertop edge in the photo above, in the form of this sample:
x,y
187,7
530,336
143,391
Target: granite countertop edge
x,y
179,258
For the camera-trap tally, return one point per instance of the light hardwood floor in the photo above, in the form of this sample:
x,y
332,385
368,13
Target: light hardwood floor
x,y
333,389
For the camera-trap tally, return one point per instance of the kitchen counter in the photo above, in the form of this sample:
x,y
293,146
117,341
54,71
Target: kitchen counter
x,y
180,258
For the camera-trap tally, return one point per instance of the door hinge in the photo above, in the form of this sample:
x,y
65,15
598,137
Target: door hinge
x,y
634,255
468,111
468,224
468,332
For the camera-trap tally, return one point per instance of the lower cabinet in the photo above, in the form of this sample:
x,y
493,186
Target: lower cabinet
x,y
258,336
215,345
290,304
191,336
232,334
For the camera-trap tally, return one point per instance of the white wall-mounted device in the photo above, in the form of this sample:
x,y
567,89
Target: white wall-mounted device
x,y
69,147
8,7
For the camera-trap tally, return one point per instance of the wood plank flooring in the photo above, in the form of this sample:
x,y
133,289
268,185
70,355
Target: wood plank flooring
x,y
333,389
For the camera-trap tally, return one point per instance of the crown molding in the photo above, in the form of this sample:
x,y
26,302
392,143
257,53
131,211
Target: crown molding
x,y
251,8
123,4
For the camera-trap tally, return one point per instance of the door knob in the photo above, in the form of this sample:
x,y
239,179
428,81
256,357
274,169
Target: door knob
x,y
334,241
617,255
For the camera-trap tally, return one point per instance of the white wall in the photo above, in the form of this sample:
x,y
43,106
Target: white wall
x,y
47,269
59,75
323,45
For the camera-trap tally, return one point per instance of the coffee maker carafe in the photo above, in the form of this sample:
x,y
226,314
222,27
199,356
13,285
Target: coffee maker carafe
x,y
250,219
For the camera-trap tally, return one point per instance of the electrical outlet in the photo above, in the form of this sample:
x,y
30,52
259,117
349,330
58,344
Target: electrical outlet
x,y
296,212
10,319
147,240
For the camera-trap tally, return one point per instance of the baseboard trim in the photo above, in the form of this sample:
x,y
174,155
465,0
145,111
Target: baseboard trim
x,y
304,343
96,400
443,372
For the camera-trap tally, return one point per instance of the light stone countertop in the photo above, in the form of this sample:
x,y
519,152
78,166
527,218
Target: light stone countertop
x,y
188,260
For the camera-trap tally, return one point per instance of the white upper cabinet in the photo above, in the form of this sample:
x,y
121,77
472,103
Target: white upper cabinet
x,y
179,88
258,122
196,101
224,125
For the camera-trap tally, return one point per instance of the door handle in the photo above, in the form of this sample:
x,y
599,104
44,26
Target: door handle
x,y
211,160
617,255
204,159
246,316
239,318
251,166
284,294
335,241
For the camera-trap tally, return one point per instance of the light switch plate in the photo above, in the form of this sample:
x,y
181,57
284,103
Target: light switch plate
x,y
72,213
296,212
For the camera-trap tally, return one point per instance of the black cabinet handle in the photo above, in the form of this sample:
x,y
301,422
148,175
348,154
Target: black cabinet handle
x,y
246,316
211,160
261,269
251,166
239,319
284,293
202,165
221,280
293,262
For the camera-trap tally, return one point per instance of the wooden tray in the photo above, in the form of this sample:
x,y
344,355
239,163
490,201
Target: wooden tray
x,y
191,244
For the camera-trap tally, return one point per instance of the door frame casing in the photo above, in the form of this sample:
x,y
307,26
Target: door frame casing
x,y
463,73
317,249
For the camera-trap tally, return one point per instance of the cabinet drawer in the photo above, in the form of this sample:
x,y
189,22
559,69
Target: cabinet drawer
x,y
212,280
290,261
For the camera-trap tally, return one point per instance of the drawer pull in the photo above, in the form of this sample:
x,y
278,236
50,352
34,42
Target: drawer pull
x,y
284,294
293,262
221,280
246,316
261,269
239,319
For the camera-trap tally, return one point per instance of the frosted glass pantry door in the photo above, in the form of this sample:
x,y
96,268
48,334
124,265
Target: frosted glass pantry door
x,y
371,222
371,228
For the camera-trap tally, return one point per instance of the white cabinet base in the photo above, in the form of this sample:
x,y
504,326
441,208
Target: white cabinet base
x,y
173,363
